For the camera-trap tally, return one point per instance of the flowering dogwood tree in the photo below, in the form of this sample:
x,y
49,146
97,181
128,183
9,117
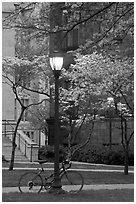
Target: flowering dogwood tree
x,y
95,77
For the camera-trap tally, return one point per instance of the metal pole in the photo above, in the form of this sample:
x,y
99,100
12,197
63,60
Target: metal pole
x,y
57,180
110,133
19,142
25,148
39,138
5,128
31,154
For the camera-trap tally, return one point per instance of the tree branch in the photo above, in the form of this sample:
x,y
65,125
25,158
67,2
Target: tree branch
x,y
107,31
85,143
35,91
131,135
126,101
33,104
87,19
14,88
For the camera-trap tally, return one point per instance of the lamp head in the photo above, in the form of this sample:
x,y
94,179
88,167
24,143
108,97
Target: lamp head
x,y
56,60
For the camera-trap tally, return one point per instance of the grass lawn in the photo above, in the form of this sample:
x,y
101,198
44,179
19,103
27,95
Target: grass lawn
x,y
74,165
10,178
83,196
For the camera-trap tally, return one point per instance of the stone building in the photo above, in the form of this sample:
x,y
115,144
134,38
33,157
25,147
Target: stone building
x,y
11,39
8,45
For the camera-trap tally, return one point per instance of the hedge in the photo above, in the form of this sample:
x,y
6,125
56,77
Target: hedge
x,y
47,153
103,155
89,154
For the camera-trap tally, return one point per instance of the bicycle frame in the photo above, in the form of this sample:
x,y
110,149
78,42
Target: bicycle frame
x,y
62,169
36,181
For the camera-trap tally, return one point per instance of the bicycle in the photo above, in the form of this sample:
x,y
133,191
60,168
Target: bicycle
x,y
72,181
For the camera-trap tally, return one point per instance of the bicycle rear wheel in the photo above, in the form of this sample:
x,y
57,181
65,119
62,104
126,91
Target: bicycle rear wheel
x,y
72,181
30,182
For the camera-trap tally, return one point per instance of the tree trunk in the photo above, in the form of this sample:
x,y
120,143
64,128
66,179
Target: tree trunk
x,y
125,144
110,134
77,147
11,166
126,162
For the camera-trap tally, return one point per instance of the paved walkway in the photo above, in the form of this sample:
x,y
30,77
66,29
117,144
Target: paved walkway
x,y
85,187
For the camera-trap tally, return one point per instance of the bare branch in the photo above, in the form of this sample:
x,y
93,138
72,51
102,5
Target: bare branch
x,y
87,19
75,149
114,23
35,91
131,135
33,104
126,101
14,88
6,77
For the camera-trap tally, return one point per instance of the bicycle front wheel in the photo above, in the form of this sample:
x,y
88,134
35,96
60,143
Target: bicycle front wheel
x,y
30,182
72,181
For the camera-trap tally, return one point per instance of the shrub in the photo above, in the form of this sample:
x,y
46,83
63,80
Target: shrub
x,y
131,159
103,155
4,159
47,153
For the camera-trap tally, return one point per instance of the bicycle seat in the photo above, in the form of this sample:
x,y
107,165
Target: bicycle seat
x,y
66,162
41,161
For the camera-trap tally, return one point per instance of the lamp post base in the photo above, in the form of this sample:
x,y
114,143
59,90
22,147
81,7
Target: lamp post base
x,y
56,187
56,190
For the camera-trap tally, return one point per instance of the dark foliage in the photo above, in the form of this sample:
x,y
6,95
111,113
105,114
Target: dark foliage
x,y
103,155
47,153
4,159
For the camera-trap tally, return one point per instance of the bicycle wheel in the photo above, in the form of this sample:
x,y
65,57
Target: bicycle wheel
x,y
72,181
30,182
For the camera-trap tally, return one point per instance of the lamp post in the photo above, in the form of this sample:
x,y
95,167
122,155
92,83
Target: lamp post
x,y
56,62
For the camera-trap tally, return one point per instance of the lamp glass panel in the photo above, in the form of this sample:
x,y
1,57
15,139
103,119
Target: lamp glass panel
x,y
51,63
56,63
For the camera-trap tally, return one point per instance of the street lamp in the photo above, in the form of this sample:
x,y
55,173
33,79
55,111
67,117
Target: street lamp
x,y
56,62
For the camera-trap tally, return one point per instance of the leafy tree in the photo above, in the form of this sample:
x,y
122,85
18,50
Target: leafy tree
x,y
16,74
37,117
108,25
25,72
100,76
123,94
103,26
81,97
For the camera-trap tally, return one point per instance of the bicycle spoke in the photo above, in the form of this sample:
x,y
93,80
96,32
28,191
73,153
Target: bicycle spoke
x,y
30,182
72,182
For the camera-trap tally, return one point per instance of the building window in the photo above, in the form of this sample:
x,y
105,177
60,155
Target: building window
x,y
30,134
70,40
